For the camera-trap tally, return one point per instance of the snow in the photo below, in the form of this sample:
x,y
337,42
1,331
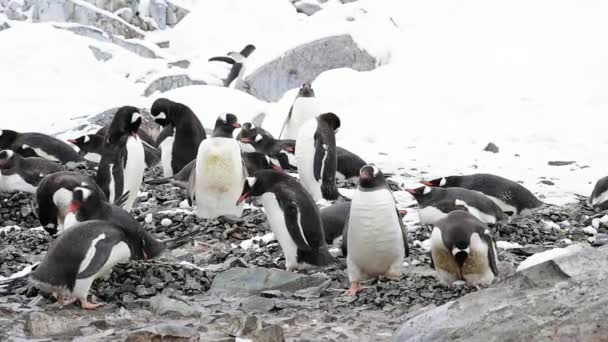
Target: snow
x,y
507,245
551,254
247,244
25,271
9,228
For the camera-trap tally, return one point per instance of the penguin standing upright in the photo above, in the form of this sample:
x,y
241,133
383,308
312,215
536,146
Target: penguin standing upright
x,y
316,156
180,149
40,145
122,164
293,217
510,196
374,233
305,107
217,179
462,248
23,174
236,62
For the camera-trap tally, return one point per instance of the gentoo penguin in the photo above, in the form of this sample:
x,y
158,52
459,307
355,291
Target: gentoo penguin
x,y
236,62
54,194
254,161
141,133
305,107
122,164
283,151
23,174
434,203
181,148
86,252
510,196
91,147
40,145
293,217
217,179
334,218
462,248
316,156
374,233
599,196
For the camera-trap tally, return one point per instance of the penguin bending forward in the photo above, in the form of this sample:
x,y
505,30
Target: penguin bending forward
x,y
462,248
374,234
283,151
236,62
217,179
122,164
23,174
316,156
293,217
305,107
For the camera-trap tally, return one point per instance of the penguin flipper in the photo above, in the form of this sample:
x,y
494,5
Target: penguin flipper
x,y
432,262
491,253
285,122
293,223
344,246
404,233
192,183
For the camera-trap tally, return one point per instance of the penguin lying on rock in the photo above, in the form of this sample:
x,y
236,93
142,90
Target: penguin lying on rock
x,y
40,145
23,174
90,146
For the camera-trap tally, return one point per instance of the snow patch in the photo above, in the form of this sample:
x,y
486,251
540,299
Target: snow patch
x,y
551,254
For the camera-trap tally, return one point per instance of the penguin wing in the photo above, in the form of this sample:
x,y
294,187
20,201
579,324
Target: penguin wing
x,y
102,254
403,232
344,246
286,121
192,182
491,253
293,222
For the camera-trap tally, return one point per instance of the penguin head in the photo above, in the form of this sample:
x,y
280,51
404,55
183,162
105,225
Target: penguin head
x,y
260,183
441,182
248,133
225,125
126,122
83,197
162,111
5,158
371,177
420,192
87,143
7,137
331,119
306,90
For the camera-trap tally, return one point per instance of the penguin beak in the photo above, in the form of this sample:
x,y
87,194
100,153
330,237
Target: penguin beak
x,y
403,212
242,198
236,125
277,168
73,207
290,149
145,255
364,176
411,191
72,141
427,183
245,140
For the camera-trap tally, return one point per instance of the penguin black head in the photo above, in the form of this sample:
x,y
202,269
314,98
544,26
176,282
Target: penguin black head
x,y
126,122
420,192
248,133
458,237
331,119
306,90
162,111
371,177
7,137
6,157
442,182
84,198
87,143
248,50
260,183
225,125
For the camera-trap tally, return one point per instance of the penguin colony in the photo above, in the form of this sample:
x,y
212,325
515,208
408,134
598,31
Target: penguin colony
x,y
90,219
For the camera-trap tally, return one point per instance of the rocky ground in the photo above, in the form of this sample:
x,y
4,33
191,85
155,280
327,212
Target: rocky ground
x,y
212,289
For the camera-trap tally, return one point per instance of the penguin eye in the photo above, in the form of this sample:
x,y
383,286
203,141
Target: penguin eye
x,y
135,116
442,182
426,191
258,138
251,181
223,118
375,170
86,139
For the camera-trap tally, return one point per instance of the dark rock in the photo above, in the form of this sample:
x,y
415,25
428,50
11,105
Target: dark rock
x,y
491,147
38,324
547,182
254,304
314,291
256,280
166,83
244,325
182,63
561,163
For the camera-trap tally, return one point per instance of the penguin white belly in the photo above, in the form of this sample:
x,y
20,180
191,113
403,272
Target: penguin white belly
x,y
112,186
487,218
219,178
375,241
166,155
14,183
305,156
303,109
134,170
600,199
93,157
503,205
276,219
430,215
476,269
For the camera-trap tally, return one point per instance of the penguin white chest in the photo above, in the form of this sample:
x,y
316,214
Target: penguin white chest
x,y
276,219
166,155
93,157
305,157
430,215
15,183
134,170
304,109
219,178
375,240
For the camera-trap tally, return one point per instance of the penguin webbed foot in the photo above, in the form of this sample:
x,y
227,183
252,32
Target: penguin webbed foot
x,y
90,306
355,287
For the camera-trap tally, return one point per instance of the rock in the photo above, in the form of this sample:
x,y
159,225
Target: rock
x,y
15,15
164,332
273,333
157,9
182,63
245,325
600,240
100,55
313,291
491,147
4,25
166,83
256,280
307,7
547,182
518,310
164,44
303,64
162,305
561,163
83,13
255,304
38,324
590,230
126,14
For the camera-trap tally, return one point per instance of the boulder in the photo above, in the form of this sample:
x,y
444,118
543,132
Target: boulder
x,y
308,7
559,300
157,9
162,305
38,324
256,280
99,54
166,83
303,64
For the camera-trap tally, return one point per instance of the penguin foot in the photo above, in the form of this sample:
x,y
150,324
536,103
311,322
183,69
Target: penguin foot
x,y
354,288
89,306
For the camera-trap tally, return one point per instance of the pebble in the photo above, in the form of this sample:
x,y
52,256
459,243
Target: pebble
x,y
590,231
595,223
149,219
166,222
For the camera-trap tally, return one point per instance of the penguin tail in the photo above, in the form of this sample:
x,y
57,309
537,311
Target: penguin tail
x,y
18,280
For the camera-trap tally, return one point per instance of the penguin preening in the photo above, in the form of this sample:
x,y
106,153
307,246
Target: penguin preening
x,y
510,196
434,203
283,151
122,164
40,145
599,196
462,248
54,194
180,148
316,156
217,179
91,147
293,217
305,107
23,174
236,62
374,234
